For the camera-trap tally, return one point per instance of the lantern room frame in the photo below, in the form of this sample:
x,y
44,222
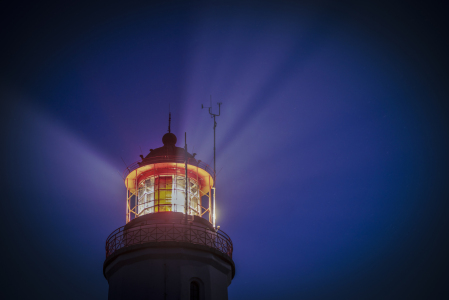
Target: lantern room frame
x,y
199,171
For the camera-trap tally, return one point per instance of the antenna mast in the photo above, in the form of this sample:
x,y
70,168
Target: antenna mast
x,y
212,115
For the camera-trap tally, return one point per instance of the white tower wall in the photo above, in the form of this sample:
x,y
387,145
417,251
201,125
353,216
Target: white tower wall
x,y
165,273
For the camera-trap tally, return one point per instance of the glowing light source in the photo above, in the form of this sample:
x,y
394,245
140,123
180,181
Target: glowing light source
x,y
159,193
161,187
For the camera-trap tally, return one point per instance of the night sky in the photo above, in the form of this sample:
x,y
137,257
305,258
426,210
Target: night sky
x,y
332,144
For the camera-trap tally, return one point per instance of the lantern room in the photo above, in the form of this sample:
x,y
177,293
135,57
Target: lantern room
x,y
161,180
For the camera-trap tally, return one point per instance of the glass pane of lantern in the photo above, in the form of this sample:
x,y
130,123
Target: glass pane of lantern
x,y
162,193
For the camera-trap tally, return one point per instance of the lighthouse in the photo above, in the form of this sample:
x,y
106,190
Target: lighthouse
x,y
169,248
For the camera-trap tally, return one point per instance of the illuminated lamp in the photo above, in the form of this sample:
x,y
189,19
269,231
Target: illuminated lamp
x,y
158,183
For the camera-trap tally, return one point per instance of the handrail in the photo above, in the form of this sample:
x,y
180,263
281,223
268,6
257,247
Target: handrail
x,y
168,232
168,158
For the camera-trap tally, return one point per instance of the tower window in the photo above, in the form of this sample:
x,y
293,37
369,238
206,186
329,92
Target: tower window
x,y
194,291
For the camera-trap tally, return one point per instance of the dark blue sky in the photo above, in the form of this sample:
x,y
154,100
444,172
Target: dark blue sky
x,y
332,143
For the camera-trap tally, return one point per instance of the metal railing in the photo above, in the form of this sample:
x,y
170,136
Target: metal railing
x,y
171,158
168,232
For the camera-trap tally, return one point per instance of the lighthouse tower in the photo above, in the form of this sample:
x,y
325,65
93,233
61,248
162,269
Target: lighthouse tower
x,y
169,248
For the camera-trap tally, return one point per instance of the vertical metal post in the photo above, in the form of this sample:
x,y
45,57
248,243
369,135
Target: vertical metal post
x,y
213,215
175,189
215,126
215,175
185,149
198,189
215,171
158,189
210,202
127,202
136,207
